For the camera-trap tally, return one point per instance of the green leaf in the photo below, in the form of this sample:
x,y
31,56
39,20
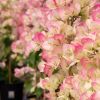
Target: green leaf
x,y
4,74
7,41
28,86
14,63
37,57
31,60
38,92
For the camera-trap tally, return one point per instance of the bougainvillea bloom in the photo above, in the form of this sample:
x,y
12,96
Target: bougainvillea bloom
x,y
66,33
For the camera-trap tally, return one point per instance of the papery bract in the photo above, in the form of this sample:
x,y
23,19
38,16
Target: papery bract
x,y
67,34
95,96
18,72
78,48
39,37
95,13
18,46
58,37
47,70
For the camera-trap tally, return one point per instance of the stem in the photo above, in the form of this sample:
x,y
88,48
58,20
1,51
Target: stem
x,y
9,71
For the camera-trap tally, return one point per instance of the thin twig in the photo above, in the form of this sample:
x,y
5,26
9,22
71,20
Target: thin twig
x,y
9,71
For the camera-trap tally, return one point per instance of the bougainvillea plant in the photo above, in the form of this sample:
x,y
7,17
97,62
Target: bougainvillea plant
x,y
64,36
13,66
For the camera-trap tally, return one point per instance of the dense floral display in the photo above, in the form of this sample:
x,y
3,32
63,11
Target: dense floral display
x,y
65,36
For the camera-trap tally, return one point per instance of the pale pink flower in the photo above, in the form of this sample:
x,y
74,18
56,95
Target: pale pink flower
x,y
39,37
84,96
18,46
95,96
30,46
51,4
83,73
77,8
41,66
18,72
95,13
50,96
48,44
28,70
28,50
78,47
54,61
86,40
64,85
48,70
59,37
95,81
46,55
68,52
36,3
91,72
2,65
84,62
36,46
43,83
97,61
80,27
18,20
69,80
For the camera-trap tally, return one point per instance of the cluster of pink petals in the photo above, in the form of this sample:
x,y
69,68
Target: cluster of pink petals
x,y
2,65
95,13
45,25
20,72
80,45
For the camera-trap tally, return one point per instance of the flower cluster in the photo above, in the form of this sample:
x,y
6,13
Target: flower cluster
x,y
13,66
67,34
71,47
